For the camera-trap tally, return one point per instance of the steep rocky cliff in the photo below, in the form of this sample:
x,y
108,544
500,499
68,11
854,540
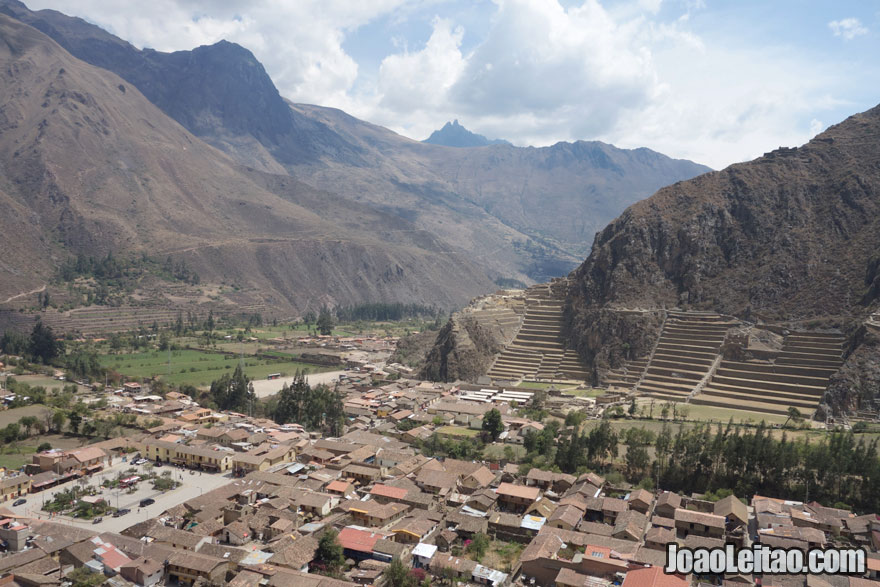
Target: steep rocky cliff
x,y
790,236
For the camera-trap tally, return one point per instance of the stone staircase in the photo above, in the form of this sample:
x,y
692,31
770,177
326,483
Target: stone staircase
x,y
537,350
686,350
798,377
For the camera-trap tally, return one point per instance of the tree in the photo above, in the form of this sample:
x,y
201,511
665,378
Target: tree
x,y
44,447
28,423
398,575
75,419
492,424
329,553
794,415
58,420
14,343
325,322
632,407
43,345
478,546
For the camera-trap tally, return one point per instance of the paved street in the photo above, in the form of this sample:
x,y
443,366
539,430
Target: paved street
x,y
192,486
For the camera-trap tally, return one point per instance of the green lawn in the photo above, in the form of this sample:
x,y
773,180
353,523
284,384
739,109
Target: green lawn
x,y
15,457
196,367
457,431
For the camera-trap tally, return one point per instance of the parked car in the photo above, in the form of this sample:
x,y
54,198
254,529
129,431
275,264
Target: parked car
x,y
147,501
98,520
122,512
18,502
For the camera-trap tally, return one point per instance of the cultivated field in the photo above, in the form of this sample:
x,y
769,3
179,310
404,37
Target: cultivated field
x,y
199,368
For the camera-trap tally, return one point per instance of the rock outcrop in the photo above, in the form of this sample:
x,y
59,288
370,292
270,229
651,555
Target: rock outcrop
x,y
464,350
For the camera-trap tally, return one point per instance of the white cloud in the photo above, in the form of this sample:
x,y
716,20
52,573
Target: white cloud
x,y
420,81
633,73
299,43
848,28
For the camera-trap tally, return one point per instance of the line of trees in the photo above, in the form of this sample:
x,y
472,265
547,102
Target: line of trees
x,y
836,469
316,408
110,268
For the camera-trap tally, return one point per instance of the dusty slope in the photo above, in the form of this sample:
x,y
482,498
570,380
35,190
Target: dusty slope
x,y
520,213
88,164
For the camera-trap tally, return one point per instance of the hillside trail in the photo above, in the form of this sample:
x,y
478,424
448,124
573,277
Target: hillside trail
x,y
27,293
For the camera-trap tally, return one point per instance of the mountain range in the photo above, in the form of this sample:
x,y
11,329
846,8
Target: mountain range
x,y
447,223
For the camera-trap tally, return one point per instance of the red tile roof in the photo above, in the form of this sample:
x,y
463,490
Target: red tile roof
x,y
358,540
652,577
388,491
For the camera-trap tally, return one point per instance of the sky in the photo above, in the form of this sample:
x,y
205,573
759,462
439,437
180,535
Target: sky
x,y
716,82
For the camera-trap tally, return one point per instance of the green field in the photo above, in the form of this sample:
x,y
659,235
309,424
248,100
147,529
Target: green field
x,y
195,367
457,431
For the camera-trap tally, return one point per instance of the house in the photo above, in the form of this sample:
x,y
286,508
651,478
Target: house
x,y
653,577
509,528
611,508
193,457
422,554
689,522
479,479
14,534
434,481
517,497
262,458
548,553
630,525
386,493
371,513
640,500
458,567
237,533
658,537
445,540
733,510
14,486
189,567
341,488
358,543
319,504
413,529
142,571
667,503
487,576
363,474
549,481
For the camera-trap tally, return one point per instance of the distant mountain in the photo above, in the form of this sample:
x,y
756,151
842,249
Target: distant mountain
x,y
454,135
516,213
